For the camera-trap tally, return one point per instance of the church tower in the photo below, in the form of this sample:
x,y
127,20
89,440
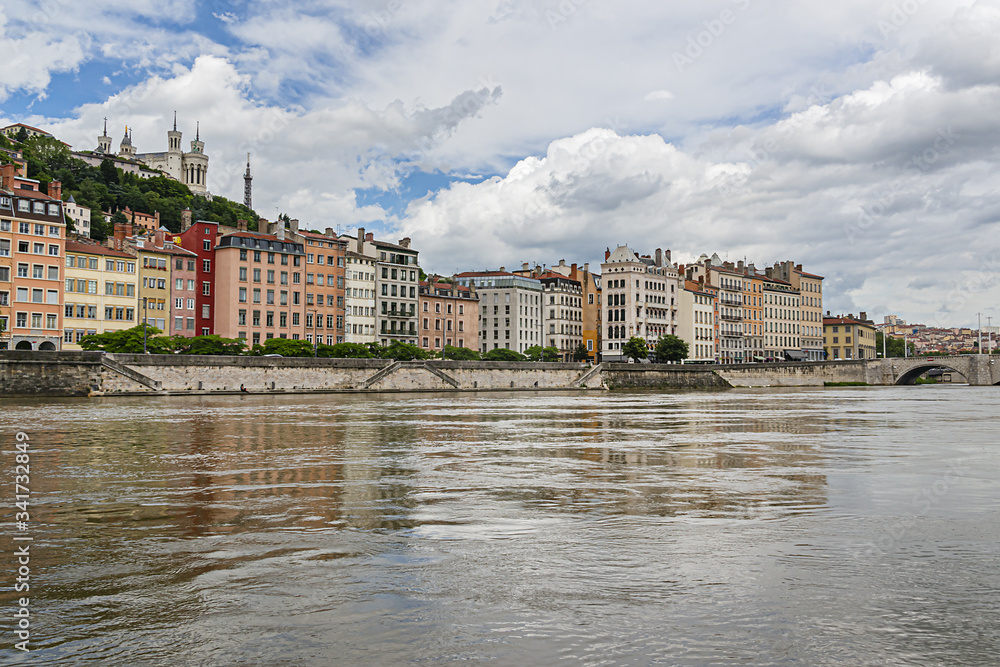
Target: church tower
x,y
247,188
174,138
104,141
197,146
126,150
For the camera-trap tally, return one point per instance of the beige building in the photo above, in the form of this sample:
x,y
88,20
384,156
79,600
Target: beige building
x,y
100,292
696,321
640,295
849,337
810,288
782,340
361,323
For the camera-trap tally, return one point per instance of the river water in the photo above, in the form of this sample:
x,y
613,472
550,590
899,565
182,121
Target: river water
x,y
773,527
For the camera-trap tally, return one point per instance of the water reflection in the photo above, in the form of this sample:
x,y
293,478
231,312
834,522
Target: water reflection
x,y
517,528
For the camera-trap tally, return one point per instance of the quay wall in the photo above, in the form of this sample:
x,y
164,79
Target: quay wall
x,y
793,374
36,373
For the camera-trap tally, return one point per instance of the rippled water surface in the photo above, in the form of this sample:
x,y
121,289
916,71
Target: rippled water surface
x,y
779,527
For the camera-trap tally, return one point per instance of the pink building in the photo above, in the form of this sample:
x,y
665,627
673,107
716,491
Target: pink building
x,y
448,315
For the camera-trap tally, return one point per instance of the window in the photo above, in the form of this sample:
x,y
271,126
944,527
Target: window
x,y
205,311
243,273
206,245
37,271
270,276
53,250
21,320
243,254
206,266
270,296
243,295
270,258
206,288
109,265
4,248
243,318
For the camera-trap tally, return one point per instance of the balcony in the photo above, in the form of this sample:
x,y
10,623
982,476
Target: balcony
x,y
731,317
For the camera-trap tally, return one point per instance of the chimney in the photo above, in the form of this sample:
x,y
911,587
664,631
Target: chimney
x,y
361,236
405,242
607,254
122,230
7,173
863,316
562,262
667,255
55,190
572,269
159,236
739,266
280,232
503,269
293,225
525,266
185,219
156,219
241,225
586,267
369,237
798,267
329,231
659,257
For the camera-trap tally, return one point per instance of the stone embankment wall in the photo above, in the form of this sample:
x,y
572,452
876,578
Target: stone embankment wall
x,y
183,373
662,376
34,373
793,374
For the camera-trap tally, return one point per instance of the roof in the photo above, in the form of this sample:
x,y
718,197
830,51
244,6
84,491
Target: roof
x,y
28,127
94,249
808,275
386,244
30,194
844,320
478,274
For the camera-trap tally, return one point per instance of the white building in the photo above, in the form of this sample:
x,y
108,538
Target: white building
x,y
360,321
510,309
696,322
80,215
640,299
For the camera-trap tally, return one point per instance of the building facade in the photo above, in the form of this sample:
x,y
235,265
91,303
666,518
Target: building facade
x,y
449,315
397,279
100,292
849,337
640,295
810,288
360,321
781,322
510,309
32,245
562,314
696,321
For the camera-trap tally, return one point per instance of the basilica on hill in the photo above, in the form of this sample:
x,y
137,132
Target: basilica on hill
x,y
190,168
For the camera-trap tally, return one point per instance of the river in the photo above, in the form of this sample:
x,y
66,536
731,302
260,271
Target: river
x,y
769,527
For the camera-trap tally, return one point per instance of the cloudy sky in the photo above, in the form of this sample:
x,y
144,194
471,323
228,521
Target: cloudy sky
x,y
857,137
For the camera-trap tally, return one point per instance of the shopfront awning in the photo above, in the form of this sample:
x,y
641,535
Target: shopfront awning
x,y
796,355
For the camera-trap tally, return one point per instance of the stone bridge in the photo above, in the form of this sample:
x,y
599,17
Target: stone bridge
x,y
977,369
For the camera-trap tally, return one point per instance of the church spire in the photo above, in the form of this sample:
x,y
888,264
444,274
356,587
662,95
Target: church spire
x,y
175,120
247,189
197,130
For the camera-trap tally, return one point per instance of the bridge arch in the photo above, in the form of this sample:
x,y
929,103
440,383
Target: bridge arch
x,y
910,375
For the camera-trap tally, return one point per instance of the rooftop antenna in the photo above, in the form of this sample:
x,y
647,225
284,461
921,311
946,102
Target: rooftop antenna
x,y
175,120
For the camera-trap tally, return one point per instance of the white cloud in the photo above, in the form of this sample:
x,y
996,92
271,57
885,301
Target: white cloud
x,y
658,95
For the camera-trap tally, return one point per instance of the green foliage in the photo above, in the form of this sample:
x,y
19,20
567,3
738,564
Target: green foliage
x,y
402,352
460,354
670,348
118,218
581,353
503,354
209,345
635,349
539,353
344,351
21,136
894,346
129,341
286,347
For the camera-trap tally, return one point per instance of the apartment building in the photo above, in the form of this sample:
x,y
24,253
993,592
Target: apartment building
x,y
810,288
753,312
849,337
640,295
32,245
325,285
782,341
510,309
397,278
562,314
361,257
590,294
449,315
100,292
200,238
696,321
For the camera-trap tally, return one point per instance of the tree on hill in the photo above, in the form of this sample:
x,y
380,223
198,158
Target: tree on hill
x,y
635,349
670,348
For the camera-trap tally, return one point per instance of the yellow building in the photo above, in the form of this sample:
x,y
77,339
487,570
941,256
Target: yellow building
x,y
100,292
154,284
849,337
